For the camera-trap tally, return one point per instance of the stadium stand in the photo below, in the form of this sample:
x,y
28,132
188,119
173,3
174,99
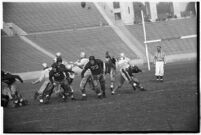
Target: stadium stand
x,y
93,41
176,46
18,56
53,17
38,17
168,29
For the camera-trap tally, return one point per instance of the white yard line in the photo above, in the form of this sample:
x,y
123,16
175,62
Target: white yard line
x,y
67,30
36,46
120,33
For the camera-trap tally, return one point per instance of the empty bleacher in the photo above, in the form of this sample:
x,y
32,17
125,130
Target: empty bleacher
x,y
176,46
18,56
169,29
92,41
38,17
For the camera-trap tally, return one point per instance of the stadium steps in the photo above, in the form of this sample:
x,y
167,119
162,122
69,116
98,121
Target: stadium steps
x,y
92,41
40,17
125,35
18,56
168,29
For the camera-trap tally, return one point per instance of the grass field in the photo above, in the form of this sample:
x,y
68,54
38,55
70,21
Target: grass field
x,y
168,106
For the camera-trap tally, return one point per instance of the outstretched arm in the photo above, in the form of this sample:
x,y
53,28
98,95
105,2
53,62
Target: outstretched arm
x,y
42,76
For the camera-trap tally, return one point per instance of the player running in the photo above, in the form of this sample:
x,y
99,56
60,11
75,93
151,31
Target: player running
x,y
126,74
110,68
43,76
10,87
87,78
96,67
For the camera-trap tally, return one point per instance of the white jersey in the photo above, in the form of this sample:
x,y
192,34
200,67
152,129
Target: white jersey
x,y
45,74
123,63
82,62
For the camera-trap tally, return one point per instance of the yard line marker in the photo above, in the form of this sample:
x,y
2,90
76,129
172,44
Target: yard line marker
x,y
37,47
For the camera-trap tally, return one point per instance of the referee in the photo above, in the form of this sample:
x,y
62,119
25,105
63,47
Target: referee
x,y
159,61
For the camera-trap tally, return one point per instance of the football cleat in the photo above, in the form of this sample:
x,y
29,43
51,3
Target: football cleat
x,y
46,100
64,98
112,92
100,96
41,101
142,89
134,88
103,95
84,98
16,101
72,97
134,84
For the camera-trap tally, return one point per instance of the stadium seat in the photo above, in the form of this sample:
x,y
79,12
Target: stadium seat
x,y
38,17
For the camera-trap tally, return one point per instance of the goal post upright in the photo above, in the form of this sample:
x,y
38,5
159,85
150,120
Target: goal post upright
x,y
145,40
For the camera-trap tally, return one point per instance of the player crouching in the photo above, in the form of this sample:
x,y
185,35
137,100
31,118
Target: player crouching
x,y
10,89
58,78
127,74
96,67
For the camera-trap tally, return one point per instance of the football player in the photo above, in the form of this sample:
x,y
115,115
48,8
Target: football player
x,y
43,76
126,73
70,78
69,66
57,77
5,92
87,78
96,67
110,68
10,80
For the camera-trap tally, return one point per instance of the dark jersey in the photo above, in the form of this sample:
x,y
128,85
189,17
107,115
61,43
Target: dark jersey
x,y
10,79
60,73
133,69
96,68
110,63
63,68
59,58
57,75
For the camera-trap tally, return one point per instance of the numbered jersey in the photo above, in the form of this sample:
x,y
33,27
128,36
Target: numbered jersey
x,y
96,68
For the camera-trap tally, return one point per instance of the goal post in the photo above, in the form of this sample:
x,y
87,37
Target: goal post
x,y
145,41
